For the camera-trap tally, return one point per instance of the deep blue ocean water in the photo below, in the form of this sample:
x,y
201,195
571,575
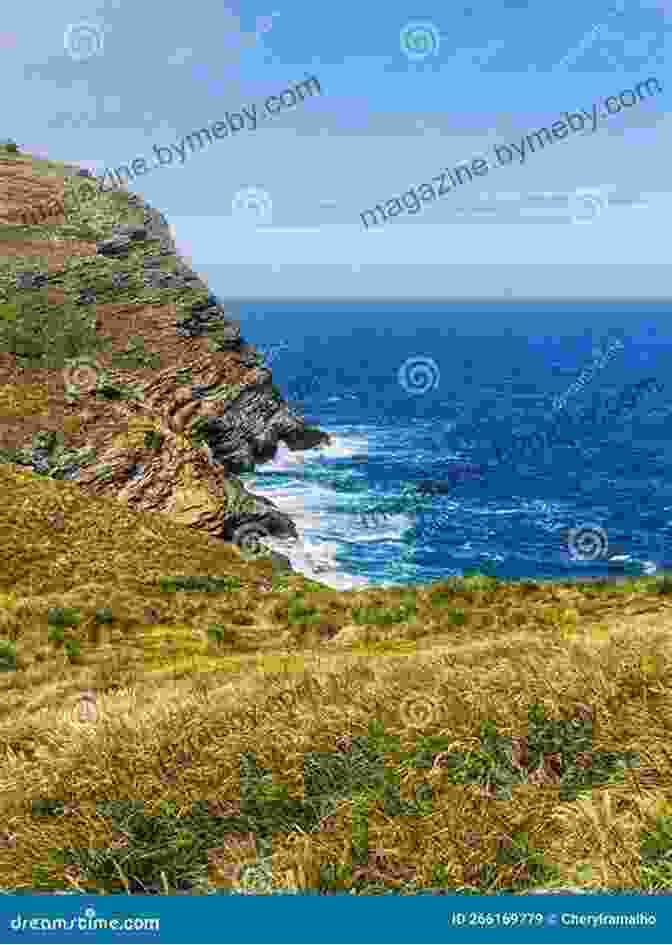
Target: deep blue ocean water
x,y
484,372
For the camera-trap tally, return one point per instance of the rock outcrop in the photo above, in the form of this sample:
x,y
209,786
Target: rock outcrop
x,y
165,403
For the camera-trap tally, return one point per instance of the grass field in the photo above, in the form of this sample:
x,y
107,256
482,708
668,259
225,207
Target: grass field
x,y
257,733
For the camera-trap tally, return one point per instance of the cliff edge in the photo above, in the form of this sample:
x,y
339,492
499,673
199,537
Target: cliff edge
x,y
119,369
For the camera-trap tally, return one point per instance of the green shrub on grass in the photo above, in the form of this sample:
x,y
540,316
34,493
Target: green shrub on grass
x,y
8,311
383,616
104,615
56,636
72,650
225,636
207,583
153,439
63,617
457,616
7,656
656,854
665,586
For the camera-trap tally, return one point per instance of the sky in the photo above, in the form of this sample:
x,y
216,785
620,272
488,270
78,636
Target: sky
x,y
406,93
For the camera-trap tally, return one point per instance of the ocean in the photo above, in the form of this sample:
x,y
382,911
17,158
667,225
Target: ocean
x,y
416,396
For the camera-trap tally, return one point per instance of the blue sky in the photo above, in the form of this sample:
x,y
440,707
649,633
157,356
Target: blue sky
x,y
585,216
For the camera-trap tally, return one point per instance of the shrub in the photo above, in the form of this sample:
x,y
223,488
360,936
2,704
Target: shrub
x,y
72,650
153,439
8,311
207,583
10,146
456,616
63,617
7,656
104,615
656,853
56,635
665,586
226,636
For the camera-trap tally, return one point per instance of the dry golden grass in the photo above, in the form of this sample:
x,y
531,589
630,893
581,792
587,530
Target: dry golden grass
x,y
300,669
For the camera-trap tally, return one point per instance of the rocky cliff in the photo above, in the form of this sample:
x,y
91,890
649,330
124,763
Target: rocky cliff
x,y
119,368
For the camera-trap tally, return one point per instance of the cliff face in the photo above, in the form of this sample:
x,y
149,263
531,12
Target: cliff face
x,y
118,368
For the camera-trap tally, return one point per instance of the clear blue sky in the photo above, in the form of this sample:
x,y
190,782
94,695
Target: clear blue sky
x,y
385,122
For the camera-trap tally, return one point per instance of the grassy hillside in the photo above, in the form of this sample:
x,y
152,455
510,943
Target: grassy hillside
x,y
252,729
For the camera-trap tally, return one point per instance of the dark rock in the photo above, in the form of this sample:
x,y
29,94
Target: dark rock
x,y
87,296
253,425
115,246
157,279
31,280
271,522
248,356
211,315
307,438
186,272
132,230
433,487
